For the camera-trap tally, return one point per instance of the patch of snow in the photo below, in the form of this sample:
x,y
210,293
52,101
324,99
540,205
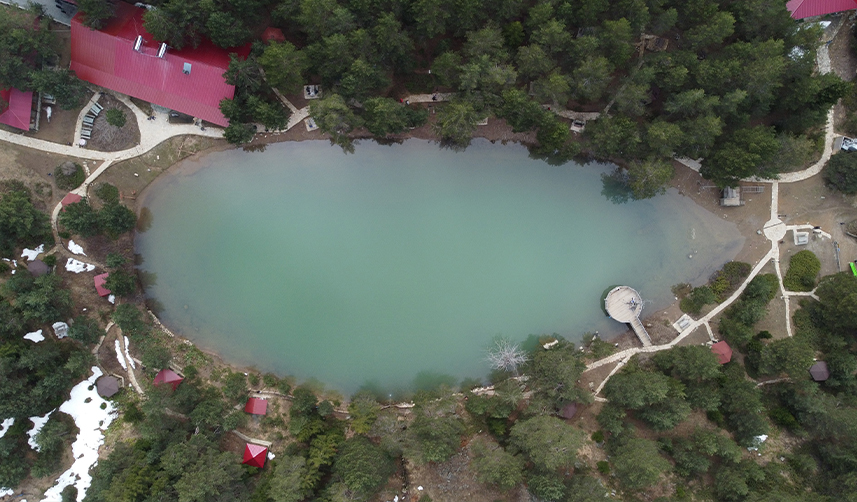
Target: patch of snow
x,y
112,299
31,254
6,491
75,248
271,456
119,355
4,428
91,420
60,329
35,336
77,267
38,423
420,488
128,353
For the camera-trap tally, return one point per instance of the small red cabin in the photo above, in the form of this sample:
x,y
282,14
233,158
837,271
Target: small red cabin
x,y
168,377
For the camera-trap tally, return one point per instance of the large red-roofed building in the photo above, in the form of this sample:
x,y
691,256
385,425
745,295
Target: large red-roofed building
x,y
801,9
189,80
15,108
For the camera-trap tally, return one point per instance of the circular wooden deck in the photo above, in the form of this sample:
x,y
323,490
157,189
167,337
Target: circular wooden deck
x,y
623,304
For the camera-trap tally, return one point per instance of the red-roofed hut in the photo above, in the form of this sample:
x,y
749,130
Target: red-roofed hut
x,y
70,198
255,455
168,377
100,280
15,108
126,58
272,34
722,351
819,371
801,9
256,406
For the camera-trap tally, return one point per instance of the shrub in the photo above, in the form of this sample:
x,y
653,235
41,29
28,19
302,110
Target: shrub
x,y
69,175
603,467
270,380
107,193
120,283
116,117
727,279
50,260
804,267
698,298
85,330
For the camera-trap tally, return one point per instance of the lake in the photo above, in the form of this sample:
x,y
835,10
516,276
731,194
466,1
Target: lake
x,y
403,262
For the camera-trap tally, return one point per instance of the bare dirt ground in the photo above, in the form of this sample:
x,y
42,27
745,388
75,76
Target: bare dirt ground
x,y
107,138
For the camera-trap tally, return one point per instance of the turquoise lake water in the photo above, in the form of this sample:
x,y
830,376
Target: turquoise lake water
x,y
404,260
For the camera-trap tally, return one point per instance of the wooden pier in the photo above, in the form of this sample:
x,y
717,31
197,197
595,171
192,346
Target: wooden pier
x,y
624,304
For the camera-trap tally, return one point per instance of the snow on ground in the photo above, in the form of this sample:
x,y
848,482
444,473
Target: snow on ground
x,y
4,427
78,266
128,354
112,299
75,248
119,355
84,406
60,329
14,264
271,456
6,491
38,423
35,336
31,254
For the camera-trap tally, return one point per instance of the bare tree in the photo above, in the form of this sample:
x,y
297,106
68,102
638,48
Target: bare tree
x,y
506,356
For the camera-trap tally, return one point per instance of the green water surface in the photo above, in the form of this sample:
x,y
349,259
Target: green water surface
x,y
396,260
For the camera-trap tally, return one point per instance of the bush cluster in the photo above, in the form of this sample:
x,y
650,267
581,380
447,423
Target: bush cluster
x,y
69,181
804,267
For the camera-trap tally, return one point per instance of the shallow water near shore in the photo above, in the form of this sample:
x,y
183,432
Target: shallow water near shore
x,y
404,260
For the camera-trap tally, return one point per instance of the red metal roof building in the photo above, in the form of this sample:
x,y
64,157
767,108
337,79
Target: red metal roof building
x,y
801,9
255,455
15,108
722,351
124,57
168,377
256,406
100,280
70,198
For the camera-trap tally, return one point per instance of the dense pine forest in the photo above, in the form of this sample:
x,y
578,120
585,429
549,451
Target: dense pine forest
x,y
734,83
730,81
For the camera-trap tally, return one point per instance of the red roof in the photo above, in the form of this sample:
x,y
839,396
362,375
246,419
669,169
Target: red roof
x,y
168,377
256,406
70,198
99,284
107,58
20,104
723,352
274,34
810,8
255,455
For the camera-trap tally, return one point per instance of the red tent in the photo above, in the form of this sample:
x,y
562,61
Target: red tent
x,y
126,58
70,198
722,351
273,34
810,8
15,108
255,455
100,280
256,406
168,377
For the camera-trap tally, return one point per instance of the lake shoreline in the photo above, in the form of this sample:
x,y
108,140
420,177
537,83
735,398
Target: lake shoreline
x,y
684,182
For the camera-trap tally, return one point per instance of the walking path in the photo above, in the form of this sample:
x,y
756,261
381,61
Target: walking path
x,y
774,230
